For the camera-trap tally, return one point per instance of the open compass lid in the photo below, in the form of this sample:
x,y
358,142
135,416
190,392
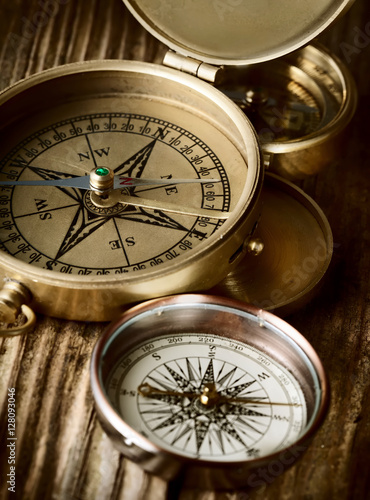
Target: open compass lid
x,y
235,32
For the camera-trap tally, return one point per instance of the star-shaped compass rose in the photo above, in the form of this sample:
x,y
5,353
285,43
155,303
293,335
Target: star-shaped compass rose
x,y
182,404
89,218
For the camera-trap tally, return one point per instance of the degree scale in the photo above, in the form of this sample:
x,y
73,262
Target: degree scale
x,y
241,143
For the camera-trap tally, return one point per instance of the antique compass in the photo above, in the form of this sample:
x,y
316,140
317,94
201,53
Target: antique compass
x,y
207,387
300,106
117,191
95,213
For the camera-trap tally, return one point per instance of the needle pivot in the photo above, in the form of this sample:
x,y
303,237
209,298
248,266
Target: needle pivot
x,y
102,180
209,396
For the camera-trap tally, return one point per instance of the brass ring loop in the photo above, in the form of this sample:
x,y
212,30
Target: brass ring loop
x,y
19,330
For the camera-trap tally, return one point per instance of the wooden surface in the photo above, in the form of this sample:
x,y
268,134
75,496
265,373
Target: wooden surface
x,y
61,450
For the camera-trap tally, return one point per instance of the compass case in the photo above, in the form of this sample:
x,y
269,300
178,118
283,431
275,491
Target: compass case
x,y
233,320
300,106
236,32
102,296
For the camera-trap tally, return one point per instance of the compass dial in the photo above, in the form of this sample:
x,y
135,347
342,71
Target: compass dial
x,y
137,121
240,425
208,385
287,114
56,227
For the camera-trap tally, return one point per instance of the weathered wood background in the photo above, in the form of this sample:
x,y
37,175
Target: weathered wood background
x,y
61,450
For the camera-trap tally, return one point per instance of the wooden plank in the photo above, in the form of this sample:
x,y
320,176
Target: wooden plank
x,y
62,453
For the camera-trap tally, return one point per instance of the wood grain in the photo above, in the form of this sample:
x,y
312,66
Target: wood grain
x,y
61,450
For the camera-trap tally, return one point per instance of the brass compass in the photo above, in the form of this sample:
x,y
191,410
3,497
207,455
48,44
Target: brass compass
x,y
300,106
83,249
77,231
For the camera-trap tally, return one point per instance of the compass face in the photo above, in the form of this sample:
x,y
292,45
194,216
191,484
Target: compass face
x,y
207,386
61,229
56,227
287,114
259,408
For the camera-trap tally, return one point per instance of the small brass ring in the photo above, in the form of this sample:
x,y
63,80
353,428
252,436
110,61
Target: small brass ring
x,y
19,330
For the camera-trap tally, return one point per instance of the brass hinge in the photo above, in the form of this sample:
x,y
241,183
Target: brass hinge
x,y
267,158
192,66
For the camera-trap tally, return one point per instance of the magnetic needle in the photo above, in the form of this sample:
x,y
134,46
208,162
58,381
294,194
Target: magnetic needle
x,y
207,387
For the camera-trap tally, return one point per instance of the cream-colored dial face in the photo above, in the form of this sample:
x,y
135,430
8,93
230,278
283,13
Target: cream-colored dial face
x,y
208,397
61,229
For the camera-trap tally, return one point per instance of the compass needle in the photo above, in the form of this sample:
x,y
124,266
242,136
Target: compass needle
x,y
119,182
121,197
146,390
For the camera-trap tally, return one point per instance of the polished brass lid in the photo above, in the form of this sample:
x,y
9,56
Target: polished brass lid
x,y
236,31
298,247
